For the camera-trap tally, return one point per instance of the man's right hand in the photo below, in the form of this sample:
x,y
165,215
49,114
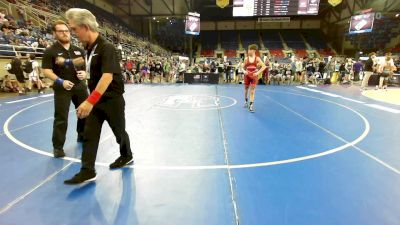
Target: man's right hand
x,y
60,60
68,85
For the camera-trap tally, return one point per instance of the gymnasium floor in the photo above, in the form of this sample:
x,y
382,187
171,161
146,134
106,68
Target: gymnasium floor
x,y
308,156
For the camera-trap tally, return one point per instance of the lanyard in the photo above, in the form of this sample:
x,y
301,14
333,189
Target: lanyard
x,y
88,61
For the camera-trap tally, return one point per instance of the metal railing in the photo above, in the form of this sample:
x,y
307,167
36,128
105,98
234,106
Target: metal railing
x,y
13,50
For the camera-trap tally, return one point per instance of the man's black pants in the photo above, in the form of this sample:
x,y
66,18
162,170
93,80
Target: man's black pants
x,y
111,110
62,101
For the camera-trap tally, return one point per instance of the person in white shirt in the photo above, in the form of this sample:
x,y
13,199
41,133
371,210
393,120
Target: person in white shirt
x,y
34,73
386,69
299,69
181,70
240,72
182,67
349,69
288,74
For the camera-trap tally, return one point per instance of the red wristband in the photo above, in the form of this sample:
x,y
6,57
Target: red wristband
x,y
94,97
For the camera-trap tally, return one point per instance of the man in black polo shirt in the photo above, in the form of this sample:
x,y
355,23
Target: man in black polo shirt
x,y
159,70
152,71
105,102
369,68
61,63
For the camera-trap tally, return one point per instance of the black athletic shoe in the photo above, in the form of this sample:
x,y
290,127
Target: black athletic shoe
x,y
83,176
58,153
121,162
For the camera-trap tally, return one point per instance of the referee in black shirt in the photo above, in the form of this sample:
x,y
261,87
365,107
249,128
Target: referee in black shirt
x,y
159,70
106,102
369,68
59,63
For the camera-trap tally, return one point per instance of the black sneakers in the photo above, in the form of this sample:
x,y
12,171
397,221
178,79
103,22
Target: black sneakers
x,y
83,176
86,175
58,153
121,162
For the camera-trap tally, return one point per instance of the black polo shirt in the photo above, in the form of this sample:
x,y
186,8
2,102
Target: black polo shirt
x,y
66,72
369,65
158,68
105,60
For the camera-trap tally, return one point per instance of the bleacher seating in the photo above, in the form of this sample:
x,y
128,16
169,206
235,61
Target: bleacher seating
x,y
209,40
207,53
230,53
170,35
229,40
271,39
326,52
315,39
276,53
19,39
301,53
249,37
381,34
396,49
293,39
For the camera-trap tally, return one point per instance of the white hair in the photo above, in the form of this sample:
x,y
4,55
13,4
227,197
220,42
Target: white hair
x,y
82,17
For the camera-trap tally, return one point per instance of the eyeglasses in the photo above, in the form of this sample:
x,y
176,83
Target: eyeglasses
x,y
63,31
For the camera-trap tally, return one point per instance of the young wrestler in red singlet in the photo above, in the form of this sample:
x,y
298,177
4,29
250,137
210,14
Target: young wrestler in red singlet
x,y
252,74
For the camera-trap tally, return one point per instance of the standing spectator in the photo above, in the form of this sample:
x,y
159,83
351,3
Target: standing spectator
x,y
386,71
322,67
397,64
349,69
227,71
152,71
167,70
144,73
310,70
31,67
159,70
16,68
181,71
239,72
342,72
299,69
370,68
357,68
